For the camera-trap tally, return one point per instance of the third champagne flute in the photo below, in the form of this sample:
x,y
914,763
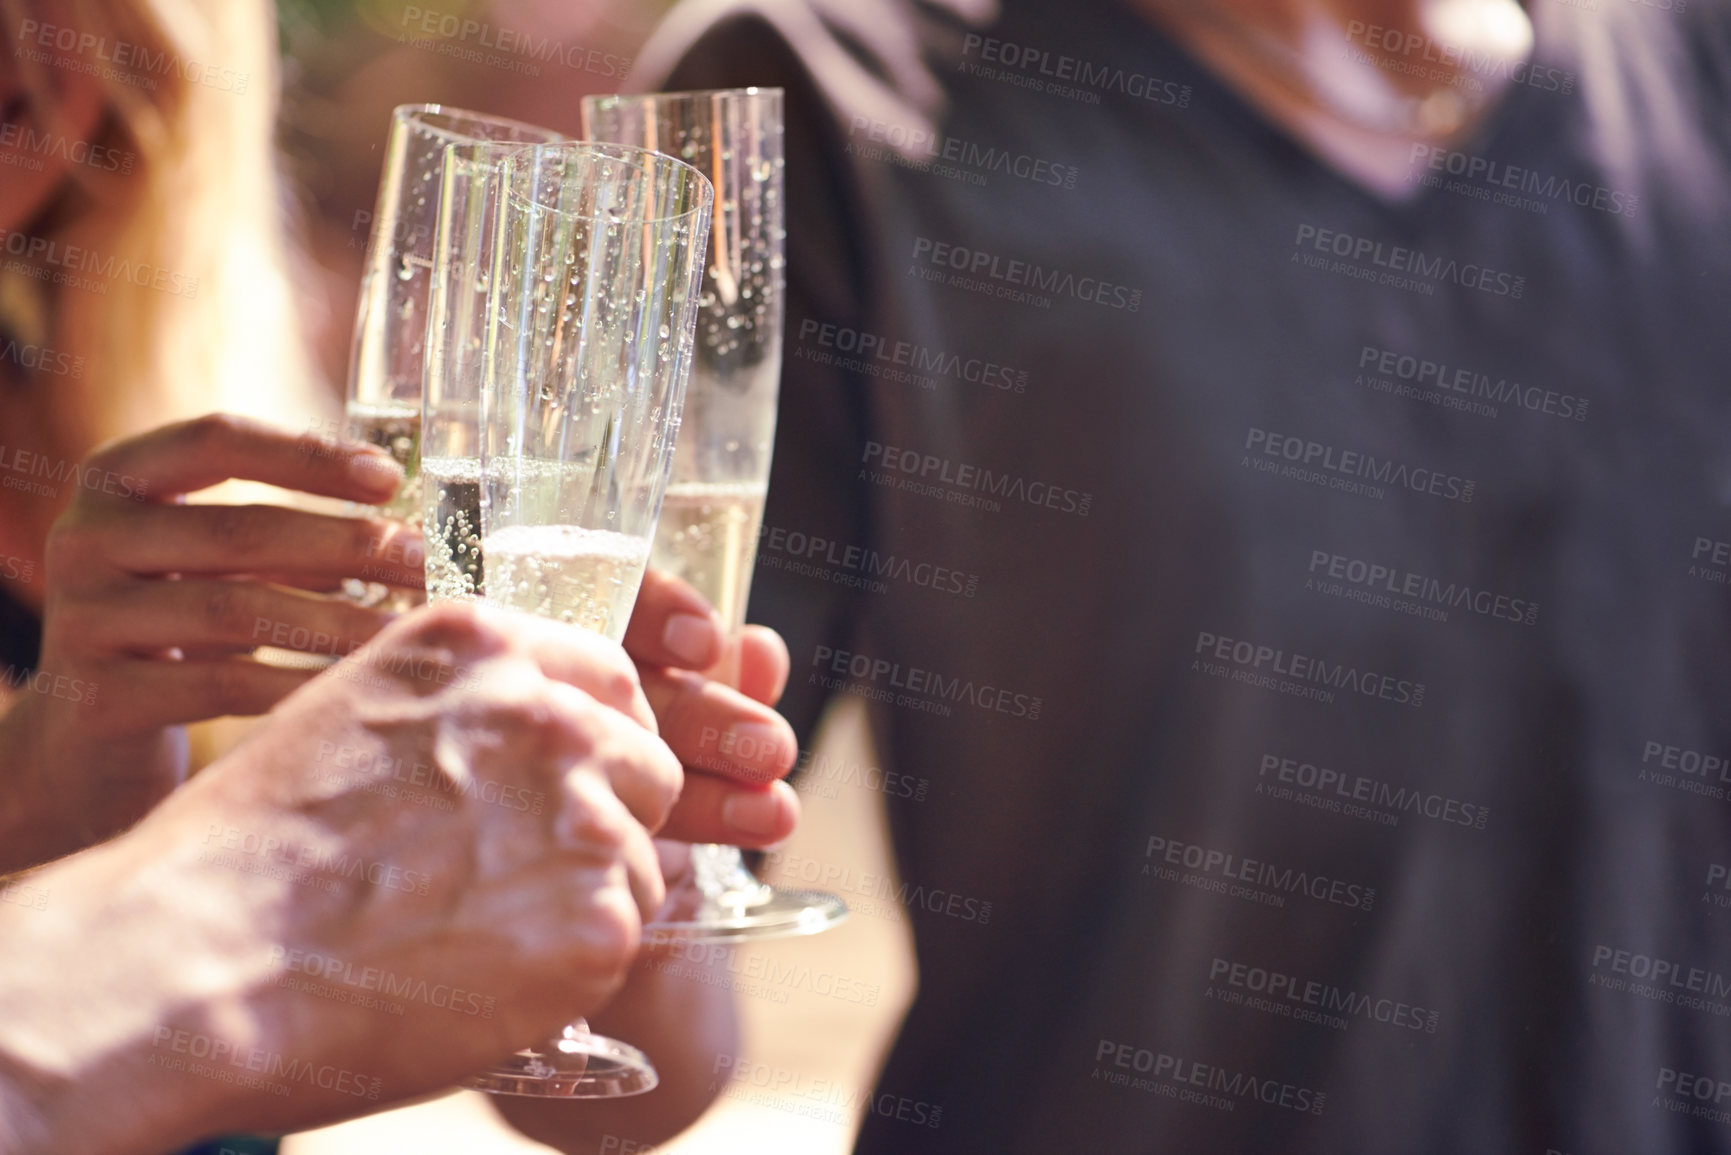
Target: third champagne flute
x,y
709,529
559,352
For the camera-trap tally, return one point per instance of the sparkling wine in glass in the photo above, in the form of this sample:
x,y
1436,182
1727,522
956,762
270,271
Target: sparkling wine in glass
x,y
387,362
714,506
559,349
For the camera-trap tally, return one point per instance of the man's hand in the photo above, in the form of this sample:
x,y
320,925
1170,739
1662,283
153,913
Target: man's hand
x,y
735,750
153,606
436,853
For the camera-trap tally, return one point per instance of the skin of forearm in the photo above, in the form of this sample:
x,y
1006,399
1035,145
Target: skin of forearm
x,y
31,830
683,1025
89,983
56,800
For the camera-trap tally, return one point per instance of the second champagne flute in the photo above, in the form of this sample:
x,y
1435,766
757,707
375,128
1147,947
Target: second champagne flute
x,y
559,351
708,534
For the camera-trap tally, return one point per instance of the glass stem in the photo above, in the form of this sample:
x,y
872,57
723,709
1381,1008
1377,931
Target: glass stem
x,y
720,870
722,877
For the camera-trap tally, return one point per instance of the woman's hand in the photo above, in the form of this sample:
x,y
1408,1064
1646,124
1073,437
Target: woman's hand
x,y
153,606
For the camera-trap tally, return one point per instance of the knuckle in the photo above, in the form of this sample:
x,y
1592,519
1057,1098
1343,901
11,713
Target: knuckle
x,y
680,712
656,782
581,720
348,621
81,621
69,546
665,801
242,528
604,663
596,818
525,700
459,626
368,538
665,779
226,611
227,688
619,681
615,929
525,717
104,457
672,782
316,447
213,430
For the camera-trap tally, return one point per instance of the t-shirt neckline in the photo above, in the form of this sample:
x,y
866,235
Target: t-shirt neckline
x,y
1216,97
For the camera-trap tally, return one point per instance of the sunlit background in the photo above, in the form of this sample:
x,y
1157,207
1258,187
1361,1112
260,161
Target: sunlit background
x,y
347,63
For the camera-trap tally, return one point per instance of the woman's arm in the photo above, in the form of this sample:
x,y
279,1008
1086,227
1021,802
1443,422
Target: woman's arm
x,y
153,607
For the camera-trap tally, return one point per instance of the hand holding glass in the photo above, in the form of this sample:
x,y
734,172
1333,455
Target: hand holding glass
x,y
709,530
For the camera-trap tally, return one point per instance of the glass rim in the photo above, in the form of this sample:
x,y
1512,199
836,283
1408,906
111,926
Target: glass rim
x,y
642,159
416,114
687,95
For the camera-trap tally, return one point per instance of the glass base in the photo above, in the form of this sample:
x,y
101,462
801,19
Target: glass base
x,y
578,1065
736,916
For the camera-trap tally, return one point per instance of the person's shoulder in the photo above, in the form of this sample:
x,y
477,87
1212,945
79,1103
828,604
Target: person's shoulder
x,y
878,58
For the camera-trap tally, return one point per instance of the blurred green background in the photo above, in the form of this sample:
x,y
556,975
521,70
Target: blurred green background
x,y
347,63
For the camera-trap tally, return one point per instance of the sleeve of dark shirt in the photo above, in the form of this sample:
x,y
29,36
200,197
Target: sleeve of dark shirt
x,y
821,420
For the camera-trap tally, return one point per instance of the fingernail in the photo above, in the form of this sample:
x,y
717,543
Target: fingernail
x,y
374,470
757,813
754,744
690,638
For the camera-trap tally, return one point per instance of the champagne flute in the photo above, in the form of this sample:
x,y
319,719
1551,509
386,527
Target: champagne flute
x,y
387,356
709,529
387,360
559,347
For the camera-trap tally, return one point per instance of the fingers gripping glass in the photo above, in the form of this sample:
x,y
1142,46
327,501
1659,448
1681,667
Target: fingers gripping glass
x,y
709,529
559,347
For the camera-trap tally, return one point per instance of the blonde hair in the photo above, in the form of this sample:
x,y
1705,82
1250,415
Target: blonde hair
x,y
191,306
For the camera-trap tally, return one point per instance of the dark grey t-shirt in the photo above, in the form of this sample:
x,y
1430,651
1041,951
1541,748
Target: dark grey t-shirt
x,y
1309,612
